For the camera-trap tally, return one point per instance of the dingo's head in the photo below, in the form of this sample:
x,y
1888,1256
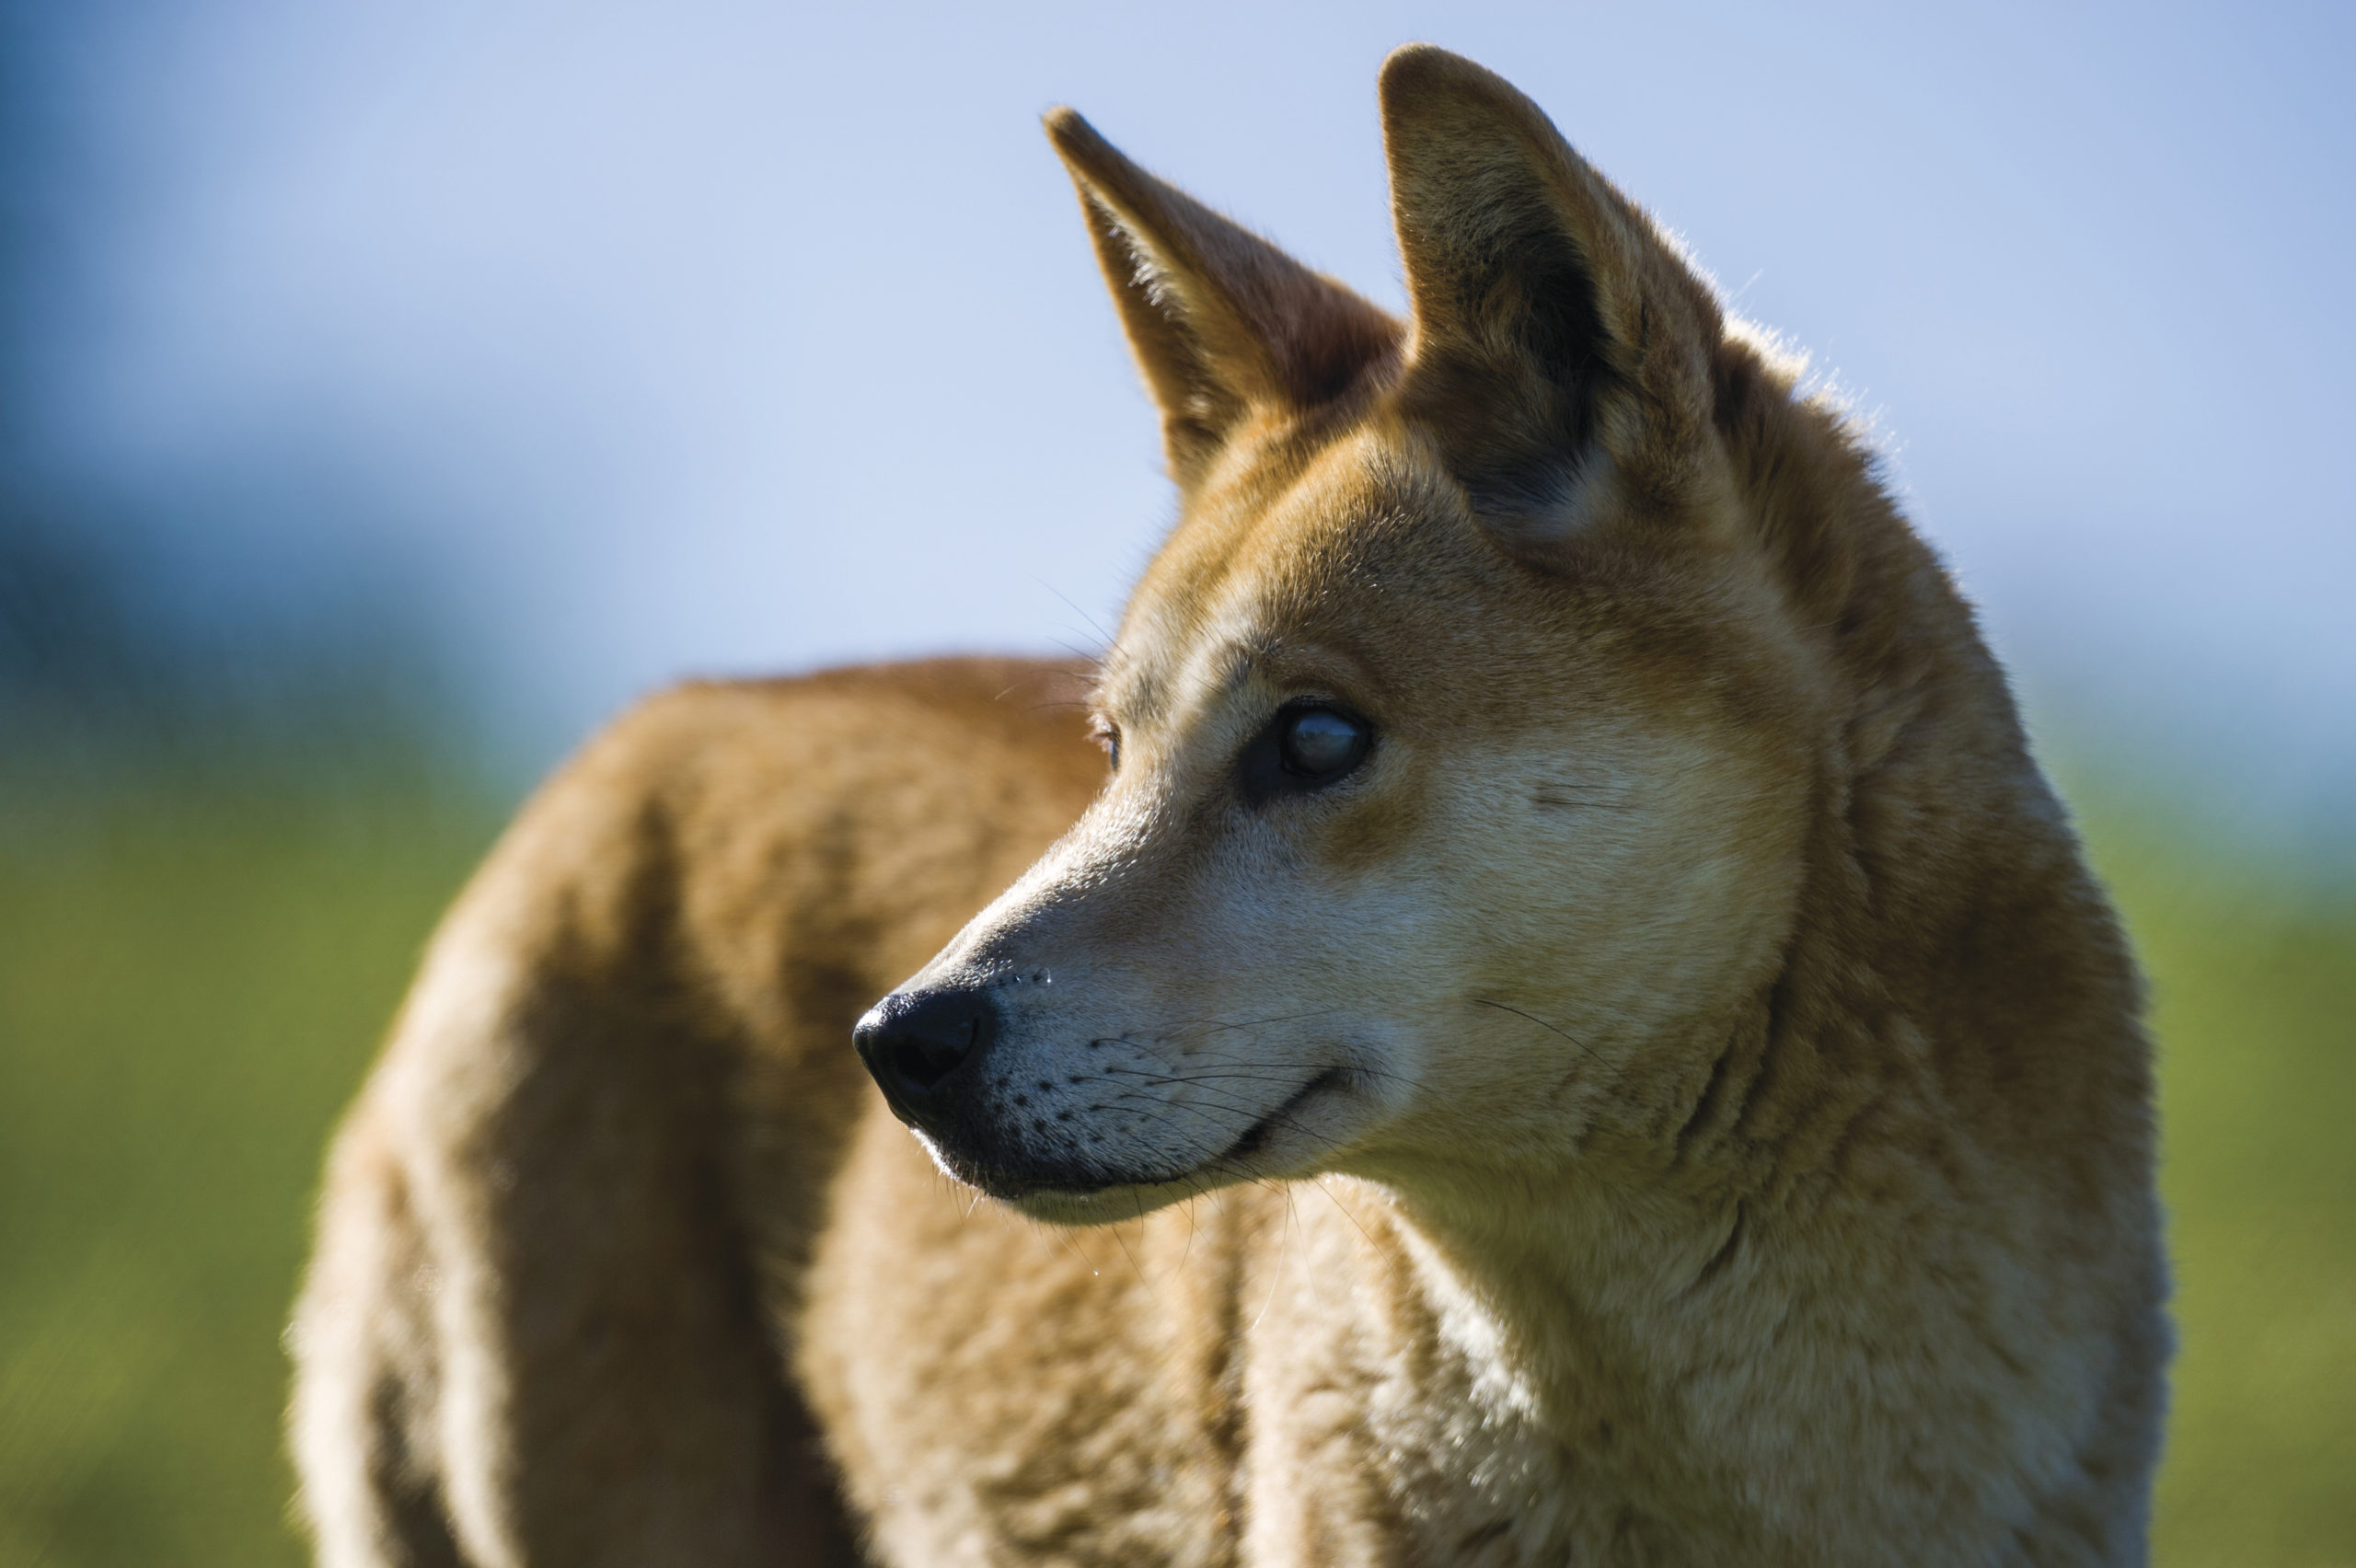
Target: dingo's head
x,y
1465,734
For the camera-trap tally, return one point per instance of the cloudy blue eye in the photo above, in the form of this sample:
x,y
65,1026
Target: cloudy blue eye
x,y
1319,744
1307,746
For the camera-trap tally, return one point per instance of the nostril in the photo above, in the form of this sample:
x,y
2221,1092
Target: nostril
x,y
910,1066
922,1063
914,1042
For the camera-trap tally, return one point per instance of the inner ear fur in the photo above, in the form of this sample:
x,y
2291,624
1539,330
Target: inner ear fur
x,y
1223,323
1557,337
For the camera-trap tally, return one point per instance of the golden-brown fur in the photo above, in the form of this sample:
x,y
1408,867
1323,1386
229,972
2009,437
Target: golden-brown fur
x,y
1679,1099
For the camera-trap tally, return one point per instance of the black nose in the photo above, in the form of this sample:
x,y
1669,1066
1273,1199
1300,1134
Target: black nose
x,y
915,1042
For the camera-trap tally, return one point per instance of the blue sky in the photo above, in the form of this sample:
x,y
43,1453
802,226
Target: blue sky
x,y
619,342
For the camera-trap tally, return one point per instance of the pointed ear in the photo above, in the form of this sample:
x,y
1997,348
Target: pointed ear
x,y
1559,342
1223,323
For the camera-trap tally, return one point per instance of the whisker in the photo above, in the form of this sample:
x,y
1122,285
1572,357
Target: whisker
x,y
1275,1276
1096,660
1244,1073
1118,1241
1337,1203
1181,1028
1501,1007
1063,1234
1287,1121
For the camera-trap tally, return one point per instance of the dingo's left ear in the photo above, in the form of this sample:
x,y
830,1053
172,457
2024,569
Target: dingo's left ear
x,y
1559,341
1223,322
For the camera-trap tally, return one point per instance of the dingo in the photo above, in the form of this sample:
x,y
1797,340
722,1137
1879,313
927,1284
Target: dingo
x,y
1582,1035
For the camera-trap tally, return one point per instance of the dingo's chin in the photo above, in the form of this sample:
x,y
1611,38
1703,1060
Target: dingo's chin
x,y
1106,1205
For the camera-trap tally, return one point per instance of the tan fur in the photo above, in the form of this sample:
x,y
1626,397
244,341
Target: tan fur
x,y
1680,1100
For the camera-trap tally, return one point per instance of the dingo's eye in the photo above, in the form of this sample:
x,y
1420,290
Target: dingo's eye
x,y
1108,735
1306,747
1320,744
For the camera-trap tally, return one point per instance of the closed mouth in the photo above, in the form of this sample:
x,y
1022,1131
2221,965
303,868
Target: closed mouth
x,y
1255,1136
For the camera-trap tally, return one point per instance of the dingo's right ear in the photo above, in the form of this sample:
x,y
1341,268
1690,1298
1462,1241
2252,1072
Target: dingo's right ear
x,y
1224,324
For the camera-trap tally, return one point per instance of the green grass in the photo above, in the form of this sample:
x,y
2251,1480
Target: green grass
x,y
189,992
2254,992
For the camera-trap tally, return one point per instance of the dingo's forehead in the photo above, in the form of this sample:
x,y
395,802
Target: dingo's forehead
x,y
1359,571
1300,573
1245,588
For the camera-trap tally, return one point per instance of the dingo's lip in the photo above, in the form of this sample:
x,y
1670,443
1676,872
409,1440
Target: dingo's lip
x,y
1009,1188
1255,1136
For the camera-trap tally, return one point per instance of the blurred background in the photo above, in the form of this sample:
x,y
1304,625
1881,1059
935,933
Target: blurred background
x,y
389,393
